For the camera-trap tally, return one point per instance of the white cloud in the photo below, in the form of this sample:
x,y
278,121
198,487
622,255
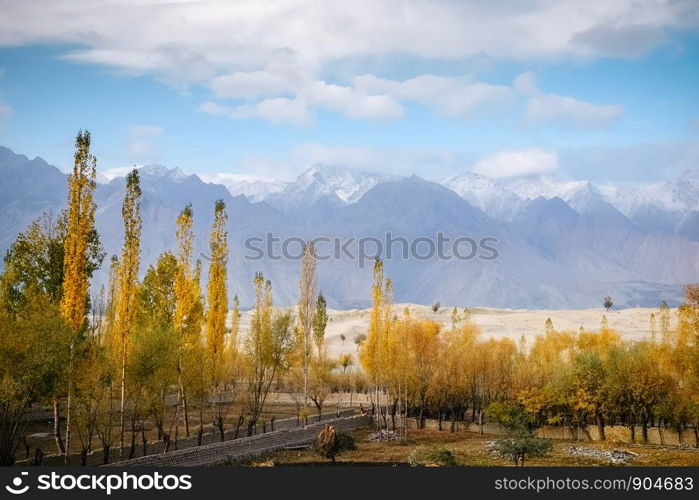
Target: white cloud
x,y
144,131
5,111
552,109
525,84
370,97
452,96
298,110
193,40
250,84
112,173
141,147
431,164
620,40
278,110
272,55
353,103
532,161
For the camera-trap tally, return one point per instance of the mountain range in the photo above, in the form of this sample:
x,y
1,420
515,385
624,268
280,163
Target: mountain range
x,y
560,244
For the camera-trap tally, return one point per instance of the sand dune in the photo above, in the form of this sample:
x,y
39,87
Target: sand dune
x,y
633,323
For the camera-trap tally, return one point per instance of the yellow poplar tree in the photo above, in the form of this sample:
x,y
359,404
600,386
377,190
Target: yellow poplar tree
x,y
218,354
127,279
217,292
307,286
368,356
183,301
81,223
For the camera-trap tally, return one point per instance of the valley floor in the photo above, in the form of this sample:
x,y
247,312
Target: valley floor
x,y
472,449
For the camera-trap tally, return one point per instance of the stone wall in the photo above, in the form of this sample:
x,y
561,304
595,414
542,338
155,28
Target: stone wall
x,y
157,447
218,453
656,435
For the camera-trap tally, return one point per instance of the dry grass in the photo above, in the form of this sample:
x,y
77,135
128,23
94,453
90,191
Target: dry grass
x,y
471,449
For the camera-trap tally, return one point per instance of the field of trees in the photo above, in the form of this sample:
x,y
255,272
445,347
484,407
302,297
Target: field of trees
x,y
160,354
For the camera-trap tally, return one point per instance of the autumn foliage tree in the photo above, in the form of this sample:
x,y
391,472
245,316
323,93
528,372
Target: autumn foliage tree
x,y
127,271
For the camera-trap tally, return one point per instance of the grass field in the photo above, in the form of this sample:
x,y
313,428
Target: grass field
x,y
471,449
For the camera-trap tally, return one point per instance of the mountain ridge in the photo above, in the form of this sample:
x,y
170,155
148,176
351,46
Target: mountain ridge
x,y
553,252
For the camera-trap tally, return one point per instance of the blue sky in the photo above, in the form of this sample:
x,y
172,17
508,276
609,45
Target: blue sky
x,y
575,89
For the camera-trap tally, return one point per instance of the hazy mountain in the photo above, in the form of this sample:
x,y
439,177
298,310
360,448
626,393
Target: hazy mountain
x,y
335,184
253,189
559,244
486,194
27,188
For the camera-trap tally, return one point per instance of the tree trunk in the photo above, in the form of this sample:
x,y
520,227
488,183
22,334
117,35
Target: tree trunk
x,y
200,433
221,431
57,427
105,454
600,427
166,441
633,433
644,431
241,419
186,415
132,447
144,440
122,423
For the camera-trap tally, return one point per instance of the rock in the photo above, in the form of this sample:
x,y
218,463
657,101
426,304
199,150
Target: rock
x,y
383,435
616,456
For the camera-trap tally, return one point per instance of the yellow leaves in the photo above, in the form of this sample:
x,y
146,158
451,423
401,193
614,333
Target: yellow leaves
x,y
217,291
81,218
373,349
127,272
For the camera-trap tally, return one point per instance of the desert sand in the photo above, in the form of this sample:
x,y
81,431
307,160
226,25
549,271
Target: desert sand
x,y
633,323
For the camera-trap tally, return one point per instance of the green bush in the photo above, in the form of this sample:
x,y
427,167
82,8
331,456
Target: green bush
x,y
442,457
518,447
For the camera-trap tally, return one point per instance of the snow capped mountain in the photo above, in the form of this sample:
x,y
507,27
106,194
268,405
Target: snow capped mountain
x,y
485,193
253,188
680,194
337,184
671,206
530,188
561,244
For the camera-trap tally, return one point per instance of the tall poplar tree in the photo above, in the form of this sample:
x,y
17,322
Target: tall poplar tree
x,y
127,283
219,356
81,224
184,304
217,291
307,286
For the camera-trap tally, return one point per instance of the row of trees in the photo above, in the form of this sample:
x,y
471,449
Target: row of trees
x,y
568,378
142,352
161,352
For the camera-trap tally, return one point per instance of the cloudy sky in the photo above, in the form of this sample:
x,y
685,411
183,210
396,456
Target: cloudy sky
x,y
607,91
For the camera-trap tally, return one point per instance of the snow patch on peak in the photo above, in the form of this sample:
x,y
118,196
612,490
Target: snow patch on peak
x,y
547,187
326,180
254,188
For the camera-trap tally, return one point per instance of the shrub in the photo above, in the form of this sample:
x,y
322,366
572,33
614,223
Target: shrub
x,y
436,457
518,447
330,443
442,457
